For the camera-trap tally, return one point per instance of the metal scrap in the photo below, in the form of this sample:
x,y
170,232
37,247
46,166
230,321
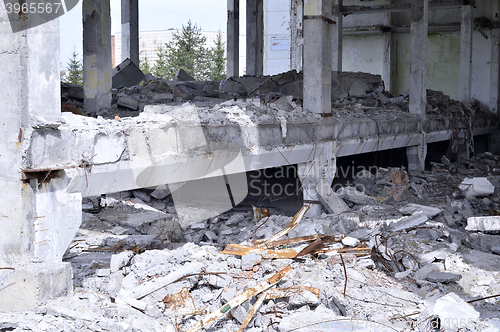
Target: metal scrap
x,y
266,284
294,223
275,293
238,249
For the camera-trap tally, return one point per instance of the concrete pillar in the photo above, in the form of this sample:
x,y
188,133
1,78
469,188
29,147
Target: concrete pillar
x,y
233,38
96,55
30,258
494,63
130,30
466,55
337,36
317,56
308,178
386,70
255,38
418,78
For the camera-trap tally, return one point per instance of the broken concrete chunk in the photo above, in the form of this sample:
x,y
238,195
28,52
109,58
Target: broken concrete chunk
x,y
126,74
141,195
408,222
491,223
428,210
161,192
120,260
356,196
128,102
248,261
350,241
74,91
476,187
148,77
211,236
182,75
230,86
450,308
103,272
443,277
330,200
163,97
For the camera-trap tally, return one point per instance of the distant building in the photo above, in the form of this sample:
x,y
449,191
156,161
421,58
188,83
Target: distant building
x,y
151,41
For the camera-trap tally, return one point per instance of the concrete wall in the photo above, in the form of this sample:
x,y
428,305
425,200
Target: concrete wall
x,y
276,36
363,53
443,59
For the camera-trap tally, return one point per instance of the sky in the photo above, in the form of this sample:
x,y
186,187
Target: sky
x,y
210,15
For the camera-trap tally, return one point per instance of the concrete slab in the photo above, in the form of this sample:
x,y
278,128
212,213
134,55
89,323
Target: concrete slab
x,y
490,223
126,74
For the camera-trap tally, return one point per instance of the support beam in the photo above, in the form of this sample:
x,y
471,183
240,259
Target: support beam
x,y
255,38
418,79
494,63
466,55
130,31
233,38
337,36
317,56
96,55
404,7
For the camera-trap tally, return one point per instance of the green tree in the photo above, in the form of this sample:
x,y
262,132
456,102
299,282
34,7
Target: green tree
x,y
218,59
144,65
187,50
74,70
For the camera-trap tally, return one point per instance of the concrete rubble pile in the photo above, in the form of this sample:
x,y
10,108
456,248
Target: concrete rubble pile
x,y
403,252
129,101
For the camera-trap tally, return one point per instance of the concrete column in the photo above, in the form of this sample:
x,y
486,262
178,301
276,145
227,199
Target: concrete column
x,y
494,63
317,56
308,178
255,38
96,55
233,38
386,70
337,36
466,55
418,78
130,30
31,265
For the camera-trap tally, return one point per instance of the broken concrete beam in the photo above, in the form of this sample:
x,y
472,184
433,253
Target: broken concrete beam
x,y
429,211
476,187
126,74
330,200
414,220
128,102
443,277
356,196
490,223
484,242
182,75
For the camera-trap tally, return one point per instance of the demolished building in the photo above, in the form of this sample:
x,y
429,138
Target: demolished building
x,y
408,241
